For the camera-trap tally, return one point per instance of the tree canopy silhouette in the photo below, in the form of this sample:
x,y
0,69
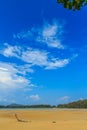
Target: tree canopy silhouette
x,y
73,4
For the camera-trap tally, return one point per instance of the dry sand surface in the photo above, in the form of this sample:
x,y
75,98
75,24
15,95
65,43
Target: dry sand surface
x,y
55,119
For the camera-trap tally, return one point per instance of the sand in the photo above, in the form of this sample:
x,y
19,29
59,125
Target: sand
x,y
55,119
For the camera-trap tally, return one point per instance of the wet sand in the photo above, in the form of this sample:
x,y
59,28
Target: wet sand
x,y
54,119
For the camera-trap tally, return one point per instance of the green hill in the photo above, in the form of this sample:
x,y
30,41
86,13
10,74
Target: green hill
x,y
76,104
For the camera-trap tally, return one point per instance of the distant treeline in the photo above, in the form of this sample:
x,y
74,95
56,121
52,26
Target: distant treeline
x,y
26,106
76,104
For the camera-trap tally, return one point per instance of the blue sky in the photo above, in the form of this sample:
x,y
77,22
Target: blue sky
x,y
43,50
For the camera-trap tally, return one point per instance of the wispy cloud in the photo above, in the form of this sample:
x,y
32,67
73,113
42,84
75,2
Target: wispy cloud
x,y
35,57
34,97
65,98
49,34
57,63
43,59
11,50
11,77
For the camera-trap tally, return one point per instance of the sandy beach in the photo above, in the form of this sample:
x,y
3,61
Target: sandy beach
x,y
54,119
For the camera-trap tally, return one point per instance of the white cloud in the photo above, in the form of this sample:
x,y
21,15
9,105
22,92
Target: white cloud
x,y
50,30
12,78
3,69
11,50
35,57
50,35
43,59
35,97
26,68
65,98
23,35
57,64
81,99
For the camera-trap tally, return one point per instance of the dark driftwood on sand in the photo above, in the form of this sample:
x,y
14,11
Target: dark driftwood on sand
x,y
20,120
